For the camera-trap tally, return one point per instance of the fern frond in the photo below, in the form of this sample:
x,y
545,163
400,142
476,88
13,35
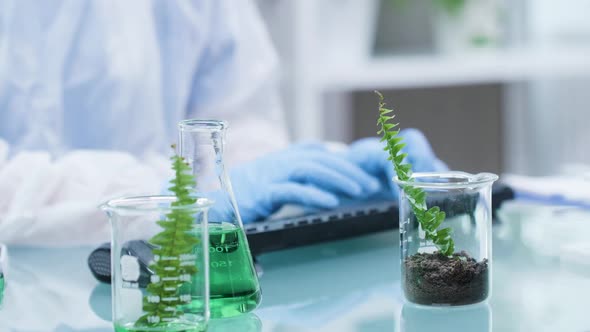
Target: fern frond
x,y
429,219
174,244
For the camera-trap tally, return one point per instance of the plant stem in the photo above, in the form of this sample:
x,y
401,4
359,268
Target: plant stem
x,y
428,219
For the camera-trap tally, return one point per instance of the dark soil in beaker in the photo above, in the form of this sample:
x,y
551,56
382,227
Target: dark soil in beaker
x,y
435,279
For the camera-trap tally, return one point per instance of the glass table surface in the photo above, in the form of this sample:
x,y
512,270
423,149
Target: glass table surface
x,y
541,282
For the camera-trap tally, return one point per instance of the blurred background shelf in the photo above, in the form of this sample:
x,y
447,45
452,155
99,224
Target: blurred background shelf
x,y
415,71
516,105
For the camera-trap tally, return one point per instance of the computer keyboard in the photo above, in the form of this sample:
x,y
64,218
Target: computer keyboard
x,y
344,222
356,219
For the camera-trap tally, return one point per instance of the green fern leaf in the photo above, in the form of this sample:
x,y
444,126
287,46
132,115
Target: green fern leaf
x,y
173,242
429,219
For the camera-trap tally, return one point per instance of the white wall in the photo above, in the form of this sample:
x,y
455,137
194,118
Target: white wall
x,y
559,111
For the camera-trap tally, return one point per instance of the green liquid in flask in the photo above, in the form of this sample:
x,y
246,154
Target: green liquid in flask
x,y
233,283
234,287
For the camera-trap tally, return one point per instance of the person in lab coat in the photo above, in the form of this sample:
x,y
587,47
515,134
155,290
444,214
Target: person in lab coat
x,y
91,93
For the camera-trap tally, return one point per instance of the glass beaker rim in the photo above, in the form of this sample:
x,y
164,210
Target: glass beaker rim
x,y
202,125
448,180
153,203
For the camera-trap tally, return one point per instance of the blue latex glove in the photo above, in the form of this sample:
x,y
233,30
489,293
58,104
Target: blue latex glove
x,y
304,174
368,153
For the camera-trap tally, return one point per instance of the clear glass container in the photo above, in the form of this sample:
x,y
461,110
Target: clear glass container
x,y
428,276
234,284
160,260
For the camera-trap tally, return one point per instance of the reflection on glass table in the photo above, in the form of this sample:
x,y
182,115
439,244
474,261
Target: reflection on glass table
x,y
540,283
100,304
417,318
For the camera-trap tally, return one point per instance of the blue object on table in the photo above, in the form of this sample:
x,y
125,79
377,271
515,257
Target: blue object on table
x,y
368,153
304,174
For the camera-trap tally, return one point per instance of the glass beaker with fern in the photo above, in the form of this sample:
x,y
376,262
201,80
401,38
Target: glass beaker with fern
x,y
159,260
445,237
445,224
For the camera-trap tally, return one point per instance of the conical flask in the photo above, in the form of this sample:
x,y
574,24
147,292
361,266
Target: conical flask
x,y
234,287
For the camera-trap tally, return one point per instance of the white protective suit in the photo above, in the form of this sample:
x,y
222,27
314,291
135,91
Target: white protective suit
x,y
91,92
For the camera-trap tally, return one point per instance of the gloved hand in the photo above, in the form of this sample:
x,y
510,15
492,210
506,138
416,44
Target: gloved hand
x,y
304,174
368,154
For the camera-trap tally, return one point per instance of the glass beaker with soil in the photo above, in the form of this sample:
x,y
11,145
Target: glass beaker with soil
x,y
437,275
234,284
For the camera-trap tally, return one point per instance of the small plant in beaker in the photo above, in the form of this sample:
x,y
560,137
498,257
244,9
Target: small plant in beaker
x,y
432,206
173,256
175,229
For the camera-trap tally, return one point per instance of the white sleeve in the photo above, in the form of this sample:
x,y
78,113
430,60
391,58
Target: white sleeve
x,y
55,202
236,80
